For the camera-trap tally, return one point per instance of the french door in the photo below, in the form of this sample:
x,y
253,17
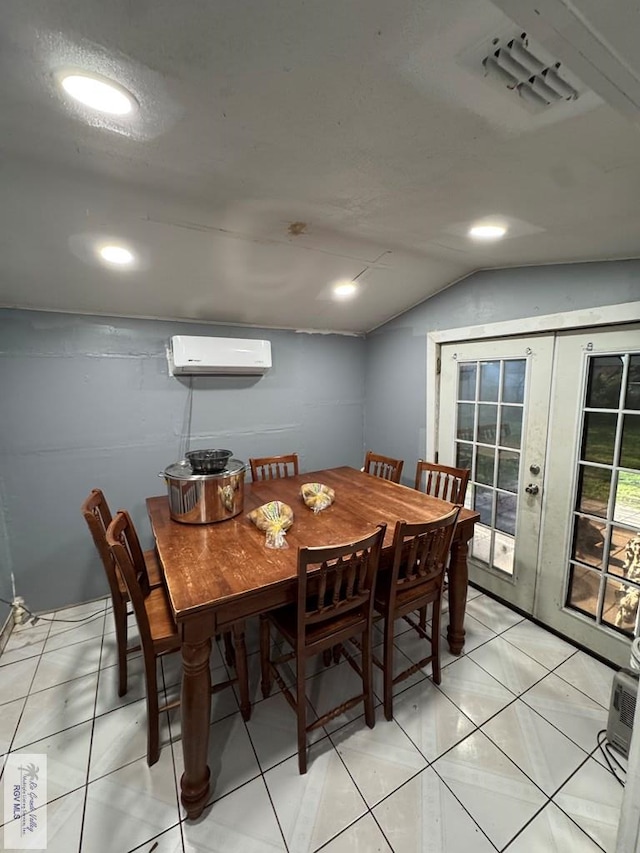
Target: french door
x,y
550,427
494,405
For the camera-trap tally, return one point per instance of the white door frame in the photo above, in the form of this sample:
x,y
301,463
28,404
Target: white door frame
x,y
606,315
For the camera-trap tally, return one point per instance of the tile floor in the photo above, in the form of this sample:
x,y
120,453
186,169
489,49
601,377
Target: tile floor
x,y
501,756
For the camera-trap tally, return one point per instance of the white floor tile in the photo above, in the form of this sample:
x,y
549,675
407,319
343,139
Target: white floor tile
x,y
588,675
473,690
74,617
71,634
130,806
16,678
424,815
491,613
537,747
273,730
539,644
57,708
67,663
120,737
508,665
431,720
363,836
552,831
314,807
169,842
242,822
135,807
415,648
26,643
64,823
9,718
108,698
379,759
494,791
67,758
579,717
593,799
334,685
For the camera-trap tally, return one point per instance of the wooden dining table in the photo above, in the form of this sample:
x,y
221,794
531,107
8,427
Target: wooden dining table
x,y
222,573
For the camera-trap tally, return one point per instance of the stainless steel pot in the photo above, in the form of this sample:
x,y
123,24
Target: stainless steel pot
x,y
204,498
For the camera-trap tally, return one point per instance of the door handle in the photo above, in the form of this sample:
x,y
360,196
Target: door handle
x,y
532,489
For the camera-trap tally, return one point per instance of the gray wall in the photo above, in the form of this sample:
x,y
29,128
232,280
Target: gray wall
x,y
395,410
88,402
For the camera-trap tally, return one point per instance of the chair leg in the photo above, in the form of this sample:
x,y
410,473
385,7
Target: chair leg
x,y
229,651
241,670
326,657
435,642
337,649
120,619
388,667
265,652
423,617
153,713
367,679
301,703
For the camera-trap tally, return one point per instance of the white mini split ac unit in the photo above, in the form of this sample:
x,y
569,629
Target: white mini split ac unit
x,y
190,354
624,695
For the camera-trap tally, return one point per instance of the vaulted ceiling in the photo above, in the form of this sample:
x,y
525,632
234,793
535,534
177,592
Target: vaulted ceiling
x,y
279,146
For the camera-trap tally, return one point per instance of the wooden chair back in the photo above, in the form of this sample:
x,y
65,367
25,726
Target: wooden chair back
x,y
420,555
384,467
123,541
274,467
337,580
442,481
97,515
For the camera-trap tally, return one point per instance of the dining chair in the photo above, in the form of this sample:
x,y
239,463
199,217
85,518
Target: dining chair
x,y
334,603
273,467
97,514
158,632
442,481
420,554
383,466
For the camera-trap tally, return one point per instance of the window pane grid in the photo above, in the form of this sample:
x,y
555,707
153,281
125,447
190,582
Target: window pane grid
x,y
489,418
603,581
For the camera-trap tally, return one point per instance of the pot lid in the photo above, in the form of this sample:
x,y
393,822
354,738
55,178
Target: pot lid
x,y
183,471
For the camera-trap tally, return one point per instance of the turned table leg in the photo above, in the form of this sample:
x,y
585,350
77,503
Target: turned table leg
x,y
458,577
195,712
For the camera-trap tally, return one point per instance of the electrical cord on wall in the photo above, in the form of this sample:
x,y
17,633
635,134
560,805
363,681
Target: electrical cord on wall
x,y
34,619
608,755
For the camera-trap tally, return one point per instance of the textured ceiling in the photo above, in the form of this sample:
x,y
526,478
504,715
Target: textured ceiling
x,y
281,146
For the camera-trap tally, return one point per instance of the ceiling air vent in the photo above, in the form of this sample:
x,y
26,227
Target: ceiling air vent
x,y
537,82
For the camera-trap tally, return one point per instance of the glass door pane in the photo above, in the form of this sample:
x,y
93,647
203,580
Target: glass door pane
x,y
490,407
604,561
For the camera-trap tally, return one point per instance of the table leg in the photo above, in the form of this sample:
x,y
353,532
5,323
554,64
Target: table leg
x,y
195,713
458,578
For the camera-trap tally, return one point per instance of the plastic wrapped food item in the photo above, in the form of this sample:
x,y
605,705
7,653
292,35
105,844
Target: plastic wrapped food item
x,y
275,518
317,496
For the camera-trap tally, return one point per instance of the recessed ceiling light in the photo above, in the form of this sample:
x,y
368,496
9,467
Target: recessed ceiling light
x,y
98,93
117,255
345,289
487,232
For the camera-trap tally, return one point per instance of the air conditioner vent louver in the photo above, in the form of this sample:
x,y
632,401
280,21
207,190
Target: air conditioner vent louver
x,y
538,82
